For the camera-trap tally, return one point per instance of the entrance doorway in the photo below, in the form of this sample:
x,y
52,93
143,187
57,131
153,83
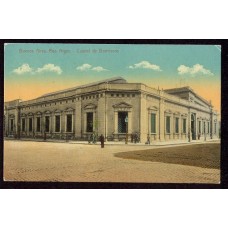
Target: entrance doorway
x,y
122,124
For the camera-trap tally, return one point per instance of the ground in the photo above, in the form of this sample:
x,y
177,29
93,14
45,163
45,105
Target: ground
x,y
71,162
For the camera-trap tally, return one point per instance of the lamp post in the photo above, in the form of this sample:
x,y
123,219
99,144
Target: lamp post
x,y
126,121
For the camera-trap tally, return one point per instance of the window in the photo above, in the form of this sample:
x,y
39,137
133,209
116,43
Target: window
x,y
199,130
208,127
122,125
128,95
204,127
30,124
215,128
47,123
133,95
11,124
112,95
153,123
23,124
38,124
168,124
89,127
184,126
176,125
117,95
101,95
122,95
66,102
57,123
69,123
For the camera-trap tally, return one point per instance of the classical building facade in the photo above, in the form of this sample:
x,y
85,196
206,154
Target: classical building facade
x,y
115,108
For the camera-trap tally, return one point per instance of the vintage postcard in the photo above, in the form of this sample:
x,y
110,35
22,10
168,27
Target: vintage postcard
x,y
116,113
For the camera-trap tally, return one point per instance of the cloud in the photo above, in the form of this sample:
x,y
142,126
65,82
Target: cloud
x,y
145,65
50,68
196,69
24,68
99,69
84,67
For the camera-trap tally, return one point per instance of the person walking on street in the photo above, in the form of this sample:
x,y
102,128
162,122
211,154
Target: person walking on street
x,y
102,141
148,139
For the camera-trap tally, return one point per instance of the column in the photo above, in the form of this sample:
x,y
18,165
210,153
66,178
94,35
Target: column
x,y
149,123
65,122
129,122
78,118
16,121
53,122
171,127
42,128
27,125
174,126
212,125
161,119
143,117
179,127
102,105
62,121
196,126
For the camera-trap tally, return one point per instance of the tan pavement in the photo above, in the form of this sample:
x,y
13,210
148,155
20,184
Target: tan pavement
x,y
48,161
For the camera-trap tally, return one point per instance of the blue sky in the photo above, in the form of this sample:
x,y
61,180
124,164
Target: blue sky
x,y
156,65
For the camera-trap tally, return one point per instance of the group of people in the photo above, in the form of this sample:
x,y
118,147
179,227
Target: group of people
x,y
134,137
94,137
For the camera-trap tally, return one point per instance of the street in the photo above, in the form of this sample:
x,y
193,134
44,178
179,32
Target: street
x,y
66,162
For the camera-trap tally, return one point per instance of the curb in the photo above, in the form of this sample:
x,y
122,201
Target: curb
x,y
117,144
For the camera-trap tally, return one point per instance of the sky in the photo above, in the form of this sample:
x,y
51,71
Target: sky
x,y
31,70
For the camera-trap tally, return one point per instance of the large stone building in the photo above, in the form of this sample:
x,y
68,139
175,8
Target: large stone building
x,y
116,109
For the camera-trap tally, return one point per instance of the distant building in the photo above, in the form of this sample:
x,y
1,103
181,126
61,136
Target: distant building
x,y
114,108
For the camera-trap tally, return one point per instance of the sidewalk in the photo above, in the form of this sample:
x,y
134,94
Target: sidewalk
x,y
163,143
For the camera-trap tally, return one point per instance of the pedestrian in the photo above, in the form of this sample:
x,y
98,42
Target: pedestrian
x,y
148,139
102,141
132,136
136,137
90,138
